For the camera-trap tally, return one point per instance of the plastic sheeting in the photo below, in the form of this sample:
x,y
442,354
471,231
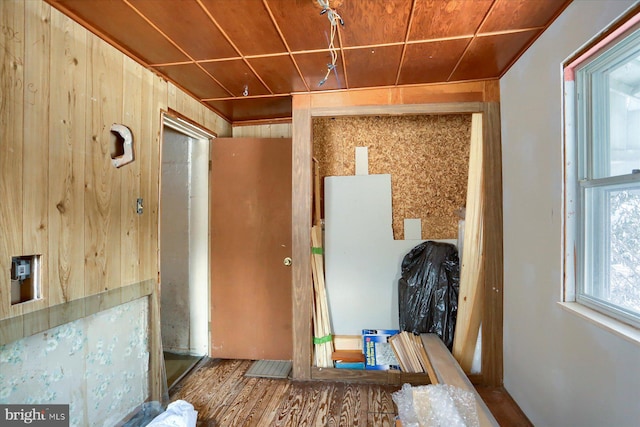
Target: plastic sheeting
x,y
438,405
428,290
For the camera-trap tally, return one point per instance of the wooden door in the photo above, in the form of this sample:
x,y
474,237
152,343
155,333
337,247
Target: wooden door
x,y
251,313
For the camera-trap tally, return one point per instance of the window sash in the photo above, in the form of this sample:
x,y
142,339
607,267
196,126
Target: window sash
x,y
594,183
594,260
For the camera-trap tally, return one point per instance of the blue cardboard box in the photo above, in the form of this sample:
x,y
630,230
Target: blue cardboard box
x,y
378,354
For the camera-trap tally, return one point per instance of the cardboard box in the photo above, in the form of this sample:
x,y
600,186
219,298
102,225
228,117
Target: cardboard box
x,y
378,353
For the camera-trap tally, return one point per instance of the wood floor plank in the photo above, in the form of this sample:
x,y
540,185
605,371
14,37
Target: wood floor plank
x,y
380,399
381,407
311,402
218,399
291,408
362,397
235,407
350,413
223,397
206,391
264,415
324,401
260,395
335,406
381,419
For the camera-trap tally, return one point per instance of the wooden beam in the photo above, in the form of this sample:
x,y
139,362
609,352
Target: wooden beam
x,y
492,307
478,91
447,371
301,237
471,272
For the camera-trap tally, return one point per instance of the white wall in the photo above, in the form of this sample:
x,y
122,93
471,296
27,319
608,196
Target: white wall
x,y
560,369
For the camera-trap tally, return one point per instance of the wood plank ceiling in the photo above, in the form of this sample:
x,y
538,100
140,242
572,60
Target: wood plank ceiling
x,y
214,49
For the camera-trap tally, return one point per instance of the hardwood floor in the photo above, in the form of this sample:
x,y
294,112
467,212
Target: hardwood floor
x,y
223,396
503,407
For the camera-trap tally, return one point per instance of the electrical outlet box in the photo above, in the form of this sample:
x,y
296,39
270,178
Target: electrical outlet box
x,y
25,278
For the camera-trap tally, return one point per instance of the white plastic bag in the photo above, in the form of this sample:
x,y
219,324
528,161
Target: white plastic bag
x,y
178,414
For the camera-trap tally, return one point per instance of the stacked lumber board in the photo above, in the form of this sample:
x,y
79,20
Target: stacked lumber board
x,y
444,369
323,343
410,352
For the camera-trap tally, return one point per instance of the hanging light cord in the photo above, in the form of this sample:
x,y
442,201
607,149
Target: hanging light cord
x,y
334,19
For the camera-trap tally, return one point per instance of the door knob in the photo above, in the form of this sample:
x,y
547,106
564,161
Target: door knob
x,y
287,261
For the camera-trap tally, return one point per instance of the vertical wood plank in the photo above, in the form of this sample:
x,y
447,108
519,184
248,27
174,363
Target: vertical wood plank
x,y
301,236
11,146
130,174
272,130
160,99
217,124
144,154
68,76
189,107
35,173
472,270
172,93
102,180
11,330
492,309
281,130
157,380
237,132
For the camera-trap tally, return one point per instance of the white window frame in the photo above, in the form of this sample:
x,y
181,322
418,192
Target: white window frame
x,y
581,178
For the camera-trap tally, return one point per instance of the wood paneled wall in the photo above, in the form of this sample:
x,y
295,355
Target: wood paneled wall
x,y
61,89
271,130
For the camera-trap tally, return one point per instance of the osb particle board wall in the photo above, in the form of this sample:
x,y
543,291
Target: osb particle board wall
x,y
426,155
62,88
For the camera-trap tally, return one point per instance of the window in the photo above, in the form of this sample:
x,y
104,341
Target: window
x,y
607,185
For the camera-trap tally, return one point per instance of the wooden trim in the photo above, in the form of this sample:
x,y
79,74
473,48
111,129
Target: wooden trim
x,y
436,93
157,373
492,91
476,379
492,308
373,110
177,115
301,236
28,324
369,376
434,99
262,122
406,40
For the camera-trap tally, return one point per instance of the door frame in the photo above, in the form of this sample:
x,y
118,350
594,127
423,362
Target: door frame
x,y
191,129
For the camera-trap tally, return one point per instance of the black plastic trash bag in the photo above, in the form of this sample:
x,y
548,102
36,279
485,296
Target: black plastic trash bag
x,y
428,290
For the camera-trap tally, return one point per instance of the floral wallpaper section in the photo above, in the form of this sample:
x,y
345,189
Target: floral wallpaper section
x,y
98,365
